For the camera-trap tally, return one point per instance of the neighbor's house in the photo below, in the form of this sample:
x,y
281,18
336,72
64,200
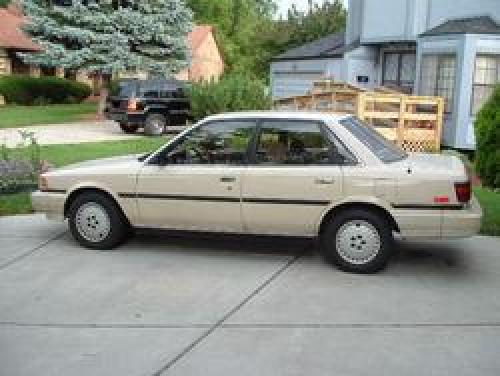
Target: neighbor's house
x,y
206,62
448,48
13,40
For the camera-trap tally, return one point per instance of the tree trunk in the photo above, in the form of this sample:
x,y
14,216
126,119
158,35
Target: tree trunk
x,y
103,94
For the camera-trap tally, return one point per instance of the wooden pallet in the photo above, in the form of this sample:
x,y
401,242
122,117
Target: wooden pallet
x,y
413,122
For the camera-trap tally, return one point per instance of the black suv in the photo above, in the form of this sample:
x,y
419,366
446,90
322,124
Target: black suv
x,y
148,104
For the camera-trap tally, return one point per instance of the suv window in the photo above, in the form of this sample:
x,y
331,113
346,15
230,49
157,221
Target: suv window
x,y
383,149
224,142
293,143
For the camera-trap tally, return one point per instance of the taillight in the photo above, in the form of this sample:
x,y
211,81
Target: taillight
x,y
463,191
132,105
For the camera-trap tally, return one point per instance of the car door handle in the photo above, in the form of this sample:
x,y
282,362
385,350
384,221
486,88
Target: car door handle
x,y
324,181
227,179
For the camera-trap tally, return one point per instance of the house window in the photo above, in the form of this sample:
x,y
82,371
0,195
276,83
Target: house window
x,y
399,70
438,77
486,77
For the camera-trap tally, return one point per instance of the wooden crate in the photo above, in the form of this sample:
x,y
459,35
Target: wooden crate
x,y
413,122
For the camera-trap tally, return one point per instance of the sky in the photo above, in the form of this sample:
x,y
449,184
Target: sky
x,y
284,5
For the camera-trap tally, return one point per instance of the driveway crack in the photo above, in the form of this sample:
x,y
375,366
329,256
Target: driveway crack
x,y
30,252
227,316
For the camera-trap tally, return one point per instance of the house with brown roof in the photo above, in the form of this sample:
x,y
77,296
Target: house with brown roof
x,y
13,40
206,62
206,59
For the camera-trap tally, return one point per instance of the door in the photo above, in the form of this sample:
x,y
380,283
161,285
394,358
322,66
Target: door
x,y
293,177
195,183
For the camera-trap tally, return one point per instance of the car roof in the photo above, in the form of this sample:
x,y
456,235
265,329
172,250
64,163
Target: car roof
x,y
280,115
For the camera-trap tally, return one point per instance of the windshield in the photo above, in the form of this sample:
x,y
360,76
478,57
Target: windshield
x,y
385,150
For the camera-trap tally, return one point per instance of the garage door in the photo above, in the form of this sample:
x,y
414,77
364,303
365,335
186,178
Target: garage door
x,y
289,84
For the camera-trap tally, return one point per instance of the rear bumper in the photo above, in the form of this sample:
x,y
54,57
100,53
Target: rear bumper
x,y
126,117
440,223
49,203
462,223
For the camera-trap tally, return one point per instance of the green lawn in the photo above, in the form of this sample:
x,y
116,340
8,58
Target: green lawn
x,y
490,202
61,155
20,116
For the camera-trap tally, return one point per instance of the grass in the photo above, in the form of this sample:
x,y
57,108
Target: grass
x,y
490,202
62,155
17,203
12,116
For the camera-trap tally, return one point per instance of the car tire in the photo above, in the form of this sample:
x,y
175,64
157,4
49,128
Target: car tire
x,y
128,128
96,221
155,124
358,241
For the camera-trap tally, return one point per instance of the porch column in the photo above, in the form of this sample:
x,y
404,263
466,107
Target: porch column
x,y
5,63
34,71
59,72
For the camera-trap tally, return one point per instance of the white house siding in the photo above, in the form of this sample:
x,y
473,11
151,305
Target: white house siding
x,y
296,77
404,20
442,45
361,62
458,130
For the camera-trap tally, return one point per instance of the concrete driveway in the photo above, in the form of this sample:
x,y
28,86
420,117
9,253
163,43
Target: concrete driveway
x,y
73,133
199,305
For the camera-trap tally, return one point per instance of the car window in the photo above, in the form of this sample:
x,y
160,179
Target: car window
x,y
223,143
292,143
383,149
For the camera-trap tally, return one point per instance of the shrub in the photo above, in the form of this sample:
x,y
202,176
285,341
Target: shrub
x,y
28,90
487,129
233,92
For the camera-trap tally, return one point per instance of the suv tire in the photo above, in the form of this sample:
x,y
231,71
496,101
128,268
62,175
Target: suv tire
x,y
155,124
358,241
96,222
128,128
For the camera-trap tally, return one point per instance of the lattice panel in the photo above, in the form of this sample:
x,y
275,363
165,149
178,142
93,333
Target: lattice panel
x,y
419,146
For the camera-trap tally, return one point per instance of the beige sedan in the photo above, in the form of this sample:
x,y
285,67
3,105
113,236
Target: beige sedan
x,y
272,173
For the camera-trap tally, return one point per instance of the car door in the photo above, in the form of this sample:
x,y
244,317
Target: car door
x,y
195,183
291,179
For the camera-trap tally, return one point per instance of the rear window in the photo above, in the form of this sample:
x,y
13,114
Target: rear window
x,y
383,149
127,89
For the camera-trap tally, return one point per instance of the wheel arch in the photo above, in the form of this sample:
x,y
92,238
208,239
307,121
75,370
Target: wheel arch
x,y
374,207
79,190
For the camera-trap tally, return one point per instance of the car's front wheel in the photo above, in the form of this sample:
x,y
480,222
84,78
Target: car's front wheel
x,y
96,222
155,124
358,241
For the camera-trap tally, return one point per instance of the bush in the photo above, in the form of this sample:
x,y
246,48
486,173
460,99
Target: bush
x,y
233,92
487,129
28,90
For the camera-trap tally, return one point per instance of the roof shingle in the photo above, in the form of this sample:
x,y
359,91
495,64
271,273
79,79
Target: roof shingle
x,y
11,35
472,25
330,46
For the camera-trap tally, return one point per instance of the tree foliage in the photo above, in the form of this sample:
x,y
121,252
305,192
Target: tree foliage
x,y
234,92
249,34
106,36
487,129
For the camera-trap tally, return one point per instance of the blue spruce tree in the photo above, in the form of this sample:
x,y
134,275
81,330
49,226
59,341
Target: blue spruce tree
x,y
109,36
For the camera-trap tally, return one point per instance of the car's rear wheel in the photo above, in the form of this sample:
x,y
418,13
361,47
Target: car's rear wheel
x,y
358,240
128,128
96,222
155,124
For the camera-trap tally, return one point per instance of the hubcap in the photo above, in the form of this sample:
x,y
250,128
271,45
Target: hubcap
x,y
358,242
92,222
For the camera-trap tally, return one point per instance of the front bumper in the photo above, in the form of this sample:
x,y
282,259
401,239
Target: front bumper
x,y
49,203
